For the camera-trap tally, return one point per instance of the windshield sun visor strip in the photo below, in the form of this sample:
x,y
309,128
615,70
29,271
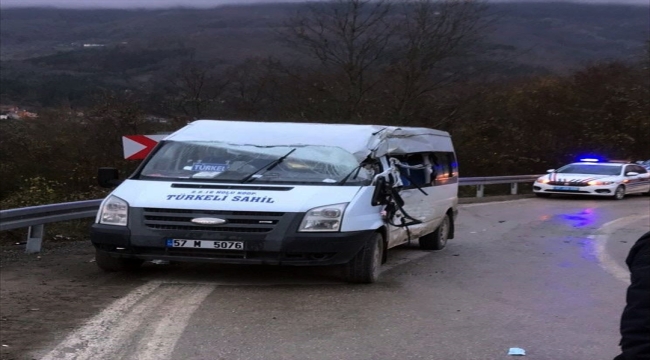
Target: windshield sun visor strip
x,y
232,187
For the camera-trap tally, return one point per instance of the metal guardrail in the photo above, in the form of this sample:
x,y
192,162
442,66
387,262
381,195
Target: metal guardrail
x,y
35,217
480,182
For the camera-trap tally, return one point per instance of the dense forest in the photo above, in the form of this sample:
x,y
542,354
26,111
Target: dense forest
x,y
521,87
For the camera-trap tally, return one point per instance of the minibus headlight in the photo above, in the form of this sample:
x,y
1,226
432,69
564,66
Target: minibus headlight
x,y
114,211
324,218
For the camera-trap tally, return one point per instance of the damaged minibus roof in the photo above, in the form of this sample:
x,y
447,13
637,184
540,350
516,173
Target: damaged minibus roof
x,y
360,140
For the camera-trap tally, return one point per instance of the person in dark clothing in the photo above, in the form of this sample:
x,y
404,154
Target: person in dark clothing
x,y
635,321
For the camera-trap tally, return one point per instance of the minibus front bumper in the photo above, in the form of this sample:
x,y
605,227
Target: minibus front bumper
x,y
280,245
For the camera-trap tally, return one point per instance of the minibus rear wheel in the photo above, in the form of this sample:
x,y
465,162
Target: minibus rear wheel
x,y
365,266
112,264
436,240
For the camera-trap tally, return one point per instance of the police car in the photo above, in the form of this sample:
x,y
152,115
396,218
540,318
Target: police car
x,y
592,176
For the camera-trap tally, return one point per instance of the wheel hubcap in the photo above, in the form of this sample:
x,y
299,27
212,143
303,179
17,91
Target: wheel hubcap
x,y
444,231
620,193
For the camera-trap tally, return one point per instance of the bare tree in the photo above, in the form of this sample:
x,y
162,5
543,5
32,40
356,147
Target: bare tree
x,y
431,35
410,51
252,86
195,89
348,38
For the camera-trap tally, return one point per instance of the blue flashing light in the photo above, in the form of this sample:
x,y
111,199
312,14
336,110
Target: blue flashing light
x,y
593,158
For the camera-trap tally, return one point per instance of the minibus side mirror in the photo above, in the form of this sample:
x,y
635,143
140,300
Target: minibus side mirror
x,y
108,177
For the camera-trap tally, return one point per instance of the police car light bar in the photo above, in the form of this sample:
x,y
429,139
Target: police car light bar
x,y
589,160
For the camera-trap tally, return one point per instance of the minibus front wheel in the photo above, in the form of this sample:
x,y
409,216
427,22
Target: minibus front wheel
x,y
365,266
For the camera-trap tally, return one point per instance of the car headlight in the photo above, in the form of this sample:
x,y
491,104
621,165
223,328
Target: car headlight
x,y
114,211
594,182
324,218
542,180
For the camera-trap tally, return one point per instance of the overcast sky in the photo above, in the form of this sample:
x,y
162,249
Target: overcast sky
x,y
203,3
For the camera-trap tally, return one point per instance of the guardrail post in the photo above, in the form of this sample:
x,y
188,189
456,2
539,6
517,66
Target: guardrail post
x,y
34,239
479,190
513,188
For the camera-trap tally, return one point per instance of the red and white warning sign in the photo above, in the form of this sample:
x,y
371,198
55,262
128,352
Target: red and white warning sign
x,y
137,147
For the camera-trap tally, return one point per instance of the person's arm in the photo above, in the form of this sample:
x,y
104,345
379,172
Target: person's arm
x,y
635,321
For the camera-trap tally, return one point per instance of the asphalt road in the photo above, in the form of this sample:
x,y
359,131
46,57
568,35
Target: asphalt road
x,y
544,275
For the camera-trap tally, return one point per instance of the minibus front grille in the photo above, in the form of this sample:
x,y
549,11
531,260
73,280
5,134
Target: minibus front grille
x,y
235,221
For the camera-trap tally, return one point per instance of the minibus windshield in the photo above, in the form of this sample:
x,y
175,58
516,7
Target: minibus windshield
x,y
224,162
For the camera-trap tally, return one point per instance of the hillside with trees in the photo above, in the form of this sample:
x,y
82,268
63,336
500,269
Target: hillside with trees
x,y
46,57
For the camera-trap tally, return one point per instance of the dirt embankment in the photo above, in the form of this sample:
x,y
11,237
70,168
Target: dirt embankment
x,y
44,296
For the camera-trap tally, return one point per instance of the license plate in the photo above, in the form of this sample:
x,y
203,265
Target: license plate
x,y
566,188
205,244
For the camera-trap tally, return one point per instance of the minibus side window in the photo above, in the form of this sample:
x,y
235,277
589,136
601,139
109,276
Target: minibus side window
x,y
444,167
420,177
454,164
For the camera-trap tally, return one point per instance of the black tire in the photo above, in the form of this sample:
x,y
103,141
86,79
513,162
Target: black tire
x,y
619,193
365,267
112,264
542,195
437,240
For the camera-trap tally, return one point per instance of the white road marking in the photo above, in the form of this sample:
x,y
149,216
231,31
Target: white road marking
x,y
176,312
100,325
603,234
145,324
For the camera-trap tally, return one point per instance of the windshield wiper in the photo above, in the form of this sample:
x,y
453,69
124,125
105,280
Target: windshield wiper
x,y
354,171
268,166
